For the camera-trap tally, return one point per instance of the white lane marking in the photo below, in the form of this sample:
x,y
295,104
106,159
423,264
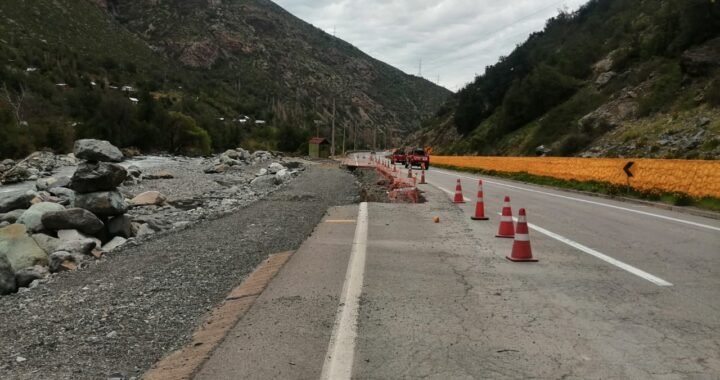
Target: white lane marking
x,y
627,267
341,350
587,201
447,191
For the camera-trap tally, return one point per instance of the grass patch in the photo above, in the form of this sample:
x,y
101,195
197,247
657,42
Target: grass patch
x,y
675,199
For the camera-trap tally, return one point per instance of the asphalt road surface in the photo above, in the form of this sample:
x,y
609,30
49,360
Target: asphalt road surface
x,y
381,292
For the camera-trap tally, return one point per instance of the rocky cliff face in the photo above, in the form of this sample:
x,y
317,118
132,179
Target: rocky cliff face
x,y
259,47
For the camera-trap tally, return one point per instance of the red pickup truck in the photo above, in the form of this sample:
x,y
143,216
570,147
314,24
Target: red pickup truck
x,y
398,157
418,157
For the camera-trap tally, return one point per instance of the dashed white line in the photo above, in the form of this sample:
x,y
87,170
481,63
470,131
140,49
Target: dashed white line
x,y
341,350
585,201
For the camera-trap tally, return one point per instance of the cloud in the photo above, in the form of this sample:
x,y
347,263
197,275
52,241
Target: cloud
x,y
454,39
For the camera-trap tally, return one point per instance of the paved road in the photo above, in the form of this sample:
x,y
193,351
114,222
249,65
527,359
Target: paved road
x,y
381,292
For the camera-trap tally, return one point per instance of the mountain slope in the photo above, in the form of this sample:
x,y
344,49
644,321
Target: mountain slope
x,y
615,78
211,60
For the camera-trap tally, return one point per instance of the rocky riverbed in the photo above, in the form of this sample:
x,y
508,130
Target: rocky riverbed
x,y
67,222
117,317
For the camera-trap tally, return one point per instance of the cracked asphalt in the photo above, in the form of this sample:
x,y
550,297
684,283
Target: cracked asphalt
x,y
440,301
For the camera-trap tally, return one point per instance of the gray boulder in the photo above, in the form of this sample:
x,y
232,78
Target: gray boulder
x,y
20,249
83,247
47,243
263,183
32,218
8,284
97,150
104,203
65,195
73,219
275,167
4,224
120,226
26,276
68,237
12,216
12,202
282,176
93,177
64,261
44,184
114,244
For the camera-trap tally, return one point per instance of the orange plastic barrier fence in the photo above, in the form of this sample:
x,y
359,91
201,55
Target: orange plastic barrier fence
x,y
693,177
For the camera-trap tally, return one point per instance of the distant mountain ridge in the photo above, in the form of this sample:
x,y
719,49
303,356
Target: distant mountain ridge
x,y
212,60
615,78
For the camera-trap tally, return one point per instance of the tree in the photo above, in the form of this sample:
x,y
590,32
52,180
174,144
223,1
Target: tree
x,y
15,101
184,136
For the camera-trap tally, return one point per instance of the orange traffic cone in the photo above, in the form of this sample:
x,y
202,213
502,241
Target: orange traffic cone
x,y
458,193
422,178
507,227
395,168
410,172
521,251
480,207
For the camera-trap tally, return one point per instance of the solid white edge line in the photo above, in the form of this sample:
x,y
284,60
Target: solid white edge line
x,y
585,201
338,363
627,267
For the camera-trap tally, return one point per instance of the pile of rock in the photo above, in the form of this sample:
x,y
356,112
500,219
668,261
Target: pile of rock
x,y
236,159
40,235
36,165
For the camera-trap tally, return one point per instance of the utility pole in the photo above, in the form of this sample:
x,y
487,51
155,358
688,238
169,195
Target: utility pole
x,y
344,129
354,135
332,143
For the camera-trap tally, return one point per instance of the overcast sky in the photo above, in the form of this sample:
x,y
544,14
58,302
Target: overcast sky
x,y
455,39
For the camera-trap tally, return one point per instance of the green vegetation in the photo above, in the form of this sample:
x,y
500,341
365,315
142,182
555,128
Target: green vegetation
x,y
675,199
538,94
176,76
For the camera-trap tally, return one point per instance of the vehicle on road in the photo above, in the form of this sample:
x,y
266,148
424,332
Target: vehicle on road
x,y
398,157
417,157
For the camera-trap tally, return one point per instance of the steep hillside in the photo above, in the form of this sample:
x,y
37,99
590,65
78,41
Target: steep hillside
x,y
195,68
615,78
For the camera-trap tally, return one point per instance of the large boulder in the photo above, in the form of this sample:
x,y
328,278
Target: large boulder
x,y
97,150
47,243
51,182
12,216
149,198
100,176
120,226
20,249
32,218
26,276
10,202
104,203
73,219
8,284
703,59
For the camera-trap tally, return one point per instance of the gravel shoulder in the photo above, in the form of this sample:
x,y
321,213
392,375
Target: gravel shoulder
x,y
120,315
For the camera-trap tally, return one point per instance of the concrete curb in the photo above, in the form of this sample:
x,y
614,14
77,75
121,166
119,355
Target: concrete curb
x,y
184,363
